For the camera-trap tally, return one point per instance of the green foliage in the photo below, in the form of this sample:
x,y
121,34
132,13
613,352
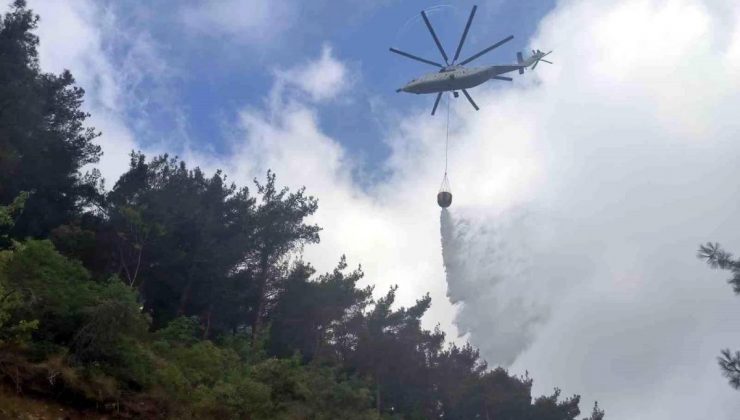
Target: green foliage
x,y
81,243
197,229
308,311
202,364
53,289
311,392
112,328
9,212
182,330
208,380
242,344
8,215
13,330
550,408
18,330
221,254
101,323
201,379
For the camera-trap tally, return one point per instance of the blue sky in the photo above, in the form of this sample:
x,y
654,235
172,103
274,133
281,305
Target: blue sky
x,y
211,75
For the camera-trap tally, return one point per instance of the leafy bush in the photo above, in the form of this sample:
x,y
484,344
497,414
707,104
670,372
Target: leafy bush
x,y
114,318
50,289
182,330
201,379
13,330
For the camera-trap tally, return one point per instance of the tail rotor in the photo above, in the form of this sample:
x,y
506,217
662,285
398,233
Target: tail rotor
x,y
539,56
533,60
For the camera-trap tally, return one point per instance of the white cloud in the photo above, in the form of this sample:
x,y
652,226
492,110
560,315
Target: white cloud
x,y
732,57
247,21
322,79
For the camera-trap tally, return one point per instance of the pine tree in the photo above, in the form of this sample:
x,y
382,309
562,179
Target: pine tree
x,y
44,143
718,258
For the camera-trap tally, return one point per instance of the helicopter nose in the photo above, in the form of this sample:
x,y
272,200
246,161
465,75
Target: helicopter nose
x,y
406,88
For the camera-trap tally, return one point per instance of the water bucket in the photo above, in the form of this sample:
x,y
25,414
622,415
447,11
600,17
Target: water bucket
x,y
444,199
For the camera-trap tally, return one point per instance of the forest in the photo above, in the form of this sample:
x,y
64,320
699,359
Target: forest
x,y
173,293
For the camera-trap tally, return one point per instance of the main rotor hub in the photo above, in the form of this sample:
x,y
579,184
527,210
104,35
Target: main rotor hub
x,y
449,68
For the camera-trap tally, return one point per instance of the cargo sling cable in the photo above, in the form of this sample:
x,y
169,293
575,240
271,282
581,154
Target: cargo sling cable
x,y
444,196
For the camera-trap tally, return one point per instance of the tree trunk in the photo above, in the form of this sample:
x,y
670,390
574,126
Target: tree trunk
x,y
207,329
319,340
125,266
377,393
261,303
257,325
185,297
377,398
138,265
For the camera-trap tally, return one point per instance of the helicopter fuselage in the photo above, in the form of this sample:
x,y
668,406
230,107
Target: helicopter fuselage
x,y
455,78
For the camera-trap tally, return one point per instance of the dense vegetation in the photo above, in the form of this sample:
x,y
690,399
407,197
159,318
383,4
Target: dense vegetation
x,y
176,294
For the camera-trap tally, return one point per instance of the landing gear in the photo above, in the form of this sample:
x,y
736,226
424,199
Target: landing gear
x,y
455,94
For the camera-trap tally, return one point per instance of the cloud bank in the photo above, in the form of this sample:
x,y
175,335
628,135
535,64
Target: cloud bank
x,y
243,21
321,80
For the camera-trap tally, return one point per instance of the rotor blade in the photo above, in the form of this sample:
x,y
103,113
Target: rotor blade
x,y
465,34
498,44
465,92
535,64
548,62
508,79
436,102
434,35
413,57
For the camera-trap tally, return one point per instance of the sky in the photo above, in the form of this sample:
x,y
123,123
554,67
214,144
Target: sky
x,y
581,190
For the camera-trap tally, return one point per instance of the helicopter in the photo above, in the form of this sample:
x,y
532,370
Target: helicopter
x,y
454,76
